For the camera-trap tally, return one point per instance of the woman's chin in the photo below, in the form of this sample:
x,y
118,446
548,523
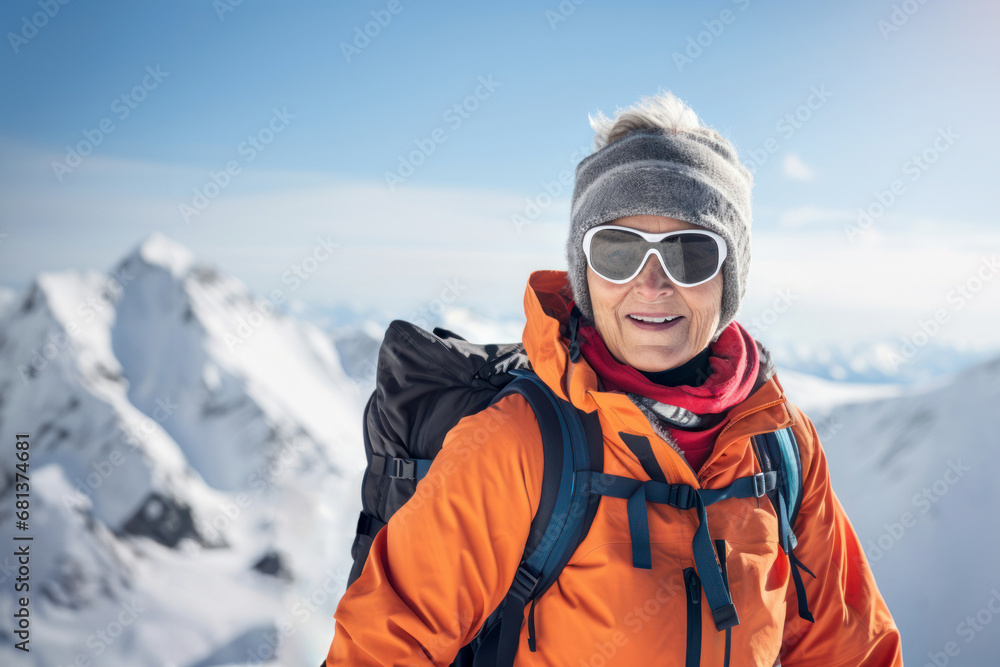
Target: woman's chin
x,y
654,361
655,348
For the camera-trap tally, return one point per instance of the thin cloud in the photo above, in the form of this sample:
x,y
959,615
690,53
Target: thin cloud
x,y
806,216
794,168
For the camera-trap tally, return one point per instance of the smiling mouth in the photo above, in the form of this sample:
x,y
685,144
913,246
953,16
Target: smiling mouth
x,y
654,320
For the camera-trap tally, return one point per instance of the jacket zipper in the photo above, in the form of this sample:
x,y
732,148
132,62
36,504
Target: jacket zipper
x,y
693,584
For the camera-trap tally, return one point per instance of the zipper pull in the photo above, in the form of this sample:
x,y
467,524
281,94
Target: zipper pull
x,y
693,586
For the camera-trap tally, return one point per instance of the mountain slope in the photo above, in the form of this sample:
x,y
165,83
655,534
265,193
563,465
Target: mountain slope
x,y
917,476
191,476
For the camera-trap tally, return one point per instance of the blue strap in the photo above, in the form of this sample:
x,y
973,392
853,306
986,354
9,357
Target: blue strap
x,y
567,446
788,543
779,451
513,614
681,496
800,590
785,533
791,467
552,420
638,525
716,591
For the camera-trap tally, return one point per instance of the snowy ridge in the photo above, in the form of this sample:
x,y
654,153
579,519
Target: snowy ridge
x,y
195,466
242,369
8,297
880,360
917,475
59,380
815,393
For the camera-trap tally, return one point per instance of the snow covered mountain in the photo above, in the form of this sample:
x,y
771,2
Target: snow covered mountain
x,y
879,360
196,461
194,466
7,298
917,475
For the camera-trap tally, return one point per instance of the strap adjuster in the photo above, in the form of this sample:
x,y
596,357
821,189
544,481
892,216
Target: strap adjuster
x,y
681,496
759,484
403,468
725,617
524,583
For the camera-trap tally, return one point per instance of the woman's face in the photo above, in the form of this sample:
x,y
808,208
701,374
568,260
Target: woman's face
x,y
650,346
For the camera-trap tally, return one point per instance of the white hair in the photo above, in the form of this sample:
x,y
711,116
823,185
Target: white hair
x,y
661,111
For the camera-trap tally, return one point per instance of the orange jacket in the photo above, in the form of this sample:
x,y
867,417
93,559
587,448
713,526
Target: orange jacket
x,y
447,558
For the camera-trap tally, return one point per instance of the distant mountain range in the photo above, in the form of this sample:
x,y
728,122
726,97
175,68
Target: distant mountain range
x,y
196,457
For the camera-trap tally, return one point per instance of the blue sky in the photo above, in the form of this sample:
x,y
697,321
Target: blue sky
x,y
843,94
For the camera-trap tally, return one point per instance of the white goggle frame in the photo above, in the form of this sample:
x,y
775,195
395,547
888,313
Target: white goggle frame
x,y
655,238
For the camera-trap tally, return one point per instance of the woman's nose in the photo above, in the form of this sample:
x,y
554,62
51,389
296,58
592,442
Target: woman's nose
x,y
652,280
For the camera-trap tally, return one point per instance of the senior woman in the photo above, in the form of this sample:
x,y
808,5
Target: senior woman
x,y
641,330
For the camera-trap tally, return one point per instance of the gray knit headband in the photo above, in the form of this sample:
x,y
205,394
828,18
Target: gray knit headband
x,y
688,176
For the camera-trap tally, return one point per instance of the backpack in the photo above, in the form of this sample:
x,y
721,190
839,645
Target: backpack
x,y
427,382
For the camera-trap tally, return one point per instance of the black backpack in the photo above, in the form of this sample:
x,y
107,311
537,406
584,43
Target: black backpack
x,y
427,382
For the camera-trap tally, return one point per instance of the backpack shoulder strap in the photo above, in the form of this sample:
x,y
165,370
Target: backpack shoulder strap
x,y
572,442
779,451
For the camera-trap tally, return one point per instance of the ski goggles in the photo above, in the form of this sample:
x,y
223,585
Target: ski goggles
x,y
689,257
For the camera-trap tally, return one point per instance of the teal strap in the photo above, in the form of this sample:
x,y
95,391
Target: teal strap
x,y
681,496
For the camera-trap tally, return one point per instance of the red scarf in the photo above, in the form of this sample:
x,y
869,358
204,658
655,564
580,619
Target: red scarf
x,y
734,364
